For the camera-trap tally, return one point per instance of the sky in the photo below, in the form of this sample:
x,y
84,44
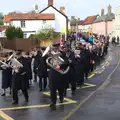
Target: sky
x,y
78,8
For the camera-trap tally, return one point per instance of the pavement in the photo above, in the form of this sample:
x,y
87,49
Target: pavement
x,y
88,103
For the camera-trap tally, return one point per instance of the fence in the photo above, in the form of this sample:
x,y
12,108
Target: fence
x,y
19,44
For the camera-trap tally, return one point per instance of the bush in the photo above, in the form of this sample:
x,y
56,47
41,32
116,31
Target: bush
x,y
47,33
1,22
13,32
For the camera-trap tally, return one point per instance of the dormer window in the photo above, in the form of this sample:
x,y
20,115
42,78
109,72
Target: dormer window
x,y
22,24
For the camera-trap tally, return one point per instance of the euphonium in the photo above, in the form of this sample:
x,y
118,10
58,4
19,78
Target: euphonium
x,y
54,60
15,64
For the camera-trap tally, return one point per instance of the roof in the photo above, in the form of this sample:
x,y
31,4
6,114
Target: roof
x,y
28,16
107,17
73,23
2,27
89,20
55,9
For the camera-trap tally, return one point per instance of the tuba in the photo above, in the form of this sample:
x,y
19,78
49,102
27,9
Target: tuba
x,y
54,60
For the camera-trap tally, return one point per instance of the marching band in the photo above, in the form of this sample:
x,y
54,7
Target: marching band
x,y
61,65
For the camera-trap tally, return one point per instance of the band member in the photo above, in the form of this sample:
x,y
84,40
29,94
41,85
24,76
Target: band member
x,y
6,76
41,70
57,81
20,80
87,61
80,64
35,65
71,74
29,70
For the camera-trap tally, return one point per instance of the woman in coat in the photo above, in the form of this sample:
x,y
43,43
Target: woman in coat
x,y
6,77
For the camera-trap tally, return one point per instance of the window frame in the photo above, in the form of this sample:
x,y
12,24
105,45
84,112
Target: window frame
x,y
22,23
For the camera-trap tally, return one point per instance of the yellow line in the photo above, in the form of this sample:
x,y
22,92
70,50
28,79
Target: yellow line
x,y
5,116
66,99
90,85
35,106
91,75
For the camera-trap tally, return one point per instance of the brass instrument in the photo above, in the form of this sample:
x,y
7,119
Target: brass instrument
x,y
14,61
54,59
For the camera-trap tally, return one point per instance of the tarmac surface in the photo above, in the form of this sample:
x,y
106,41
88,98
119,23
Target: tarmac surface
x,y
95,101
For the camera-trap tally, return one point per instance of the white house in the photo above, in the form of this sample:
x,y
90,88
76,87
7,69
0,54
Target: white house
x,y
61,20
116,23
31,23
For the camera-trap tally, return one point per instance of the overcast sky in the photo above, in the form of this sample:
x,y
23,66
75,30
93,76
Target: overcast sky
x,y
79,8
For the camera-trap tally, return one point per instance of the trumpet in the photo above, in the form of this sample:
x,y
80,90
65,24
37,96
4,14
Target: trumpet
x,y
54,60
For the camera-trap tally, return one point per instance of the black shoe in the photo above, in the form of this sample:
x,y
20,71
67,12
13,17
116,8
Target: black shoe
x,y
3,94
40,90
15,103
52,105
61,101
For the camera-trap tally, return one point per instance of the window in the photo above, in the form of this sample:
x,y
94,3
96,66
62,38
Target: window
x,y
22,24
44,21
25,35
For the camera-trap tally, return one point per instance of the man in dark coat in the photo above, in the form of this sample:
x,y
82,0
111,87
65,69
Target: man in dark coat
x,y
29,70
57,81
80,64
87,61
20,80
70,76
41,69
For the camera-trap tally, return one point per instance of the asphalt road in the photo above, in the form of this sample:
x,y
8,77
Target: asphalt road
x,y
74,107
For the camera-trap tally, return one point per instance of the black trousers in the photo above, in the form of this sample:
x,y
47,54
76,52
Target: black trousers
x,y
80,78
73,84
15,94
54,94
44,81
35,77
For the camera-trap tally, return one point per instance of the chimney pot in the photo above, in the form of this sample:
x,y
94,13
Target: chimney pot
x,y
62,9
50,2
102,12
109,9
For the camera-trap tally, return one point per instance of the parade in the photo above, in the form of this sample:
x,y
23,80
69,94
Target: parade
x,y
59,60
55,67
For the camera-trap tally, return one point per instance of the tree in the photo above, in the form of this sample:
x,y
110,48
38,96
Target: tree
x,y
18,33
1,22
46,33
1,16
13,32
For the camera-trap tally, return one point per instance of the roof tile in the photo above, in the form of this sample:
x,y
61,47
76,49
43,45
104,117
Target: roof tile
x,y
89,20
28,16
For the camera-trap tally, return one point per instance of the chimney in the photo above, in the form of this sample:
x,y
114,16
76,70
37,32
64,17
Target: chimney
x,y
36,9
62,9
102,12
50,2
109,9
